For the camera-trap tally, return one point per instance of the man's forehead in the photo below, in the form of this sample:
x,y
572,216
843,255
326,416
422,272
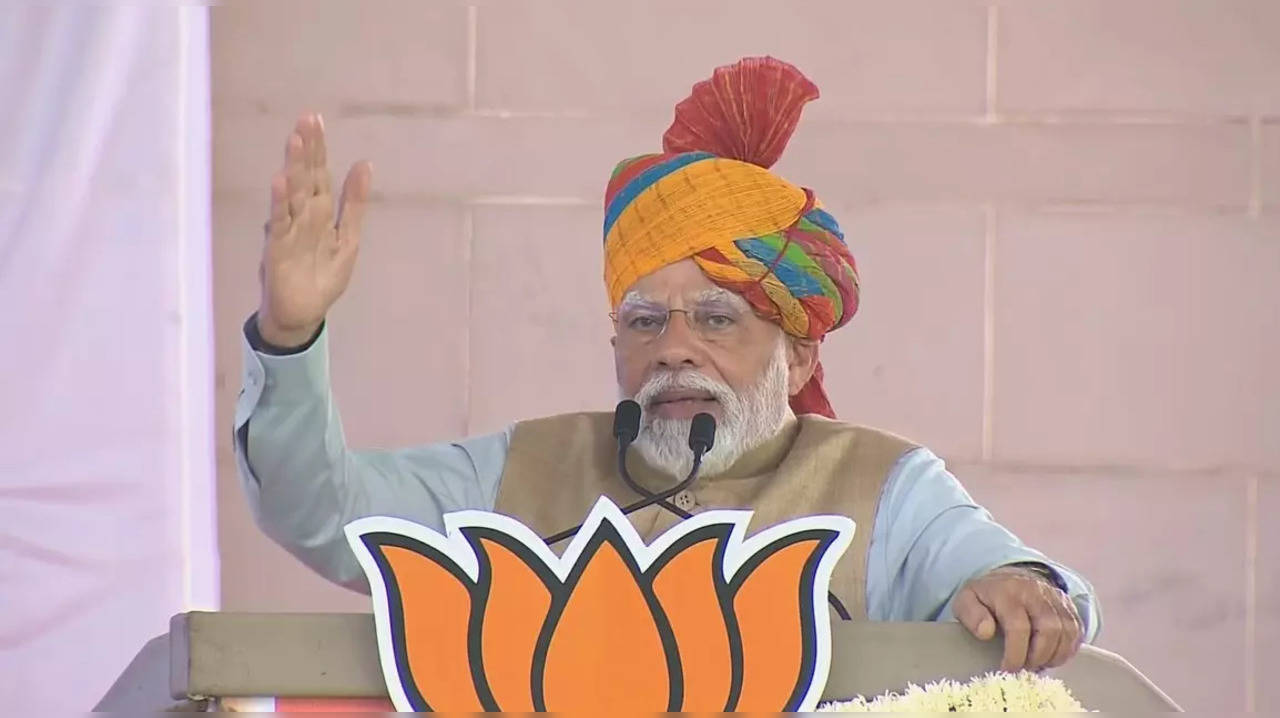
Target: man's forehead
x,y
714,294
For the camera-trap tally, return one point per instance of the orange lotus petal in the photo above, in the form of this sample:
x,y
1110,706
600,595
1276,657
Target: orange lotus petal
x,y
776,622
513,617
431,645
605,652
688,580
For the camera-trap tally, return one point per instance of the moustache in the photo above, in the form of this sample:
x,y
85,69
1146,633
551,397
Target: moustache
x,y
684,380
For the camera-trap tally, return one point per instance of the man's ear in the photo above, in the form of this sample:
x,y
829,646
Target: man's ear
x,y
802,359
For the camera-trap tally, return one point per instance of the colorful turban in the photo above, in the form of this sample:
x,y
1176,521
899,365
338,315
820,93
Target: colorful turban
x,y
710,196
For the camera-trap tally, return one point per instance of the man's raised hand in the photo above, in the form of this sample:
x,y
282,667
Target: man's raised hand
x,y
310,249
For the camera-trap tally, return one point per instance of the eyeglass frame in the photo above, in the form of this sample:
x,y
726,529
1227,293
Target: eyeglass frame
x,y
690,322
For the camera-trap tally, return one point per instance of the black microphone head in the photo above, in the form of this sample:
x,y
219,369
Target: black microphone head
x,y
702,433
626,421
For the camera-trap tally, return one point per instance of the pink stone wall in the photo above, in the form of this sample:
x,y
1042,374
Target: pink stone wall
x,y
1066,214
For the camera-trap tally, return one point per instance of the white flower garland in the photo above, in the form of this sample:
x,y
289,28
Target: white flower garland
x,y
994,692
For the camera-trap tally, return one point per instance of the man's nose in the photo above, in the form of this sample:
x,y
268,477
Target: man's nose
x,y
678,346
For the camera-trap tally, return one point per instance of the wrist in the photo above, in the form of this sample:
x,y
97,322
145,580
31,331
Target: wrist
x,y
1040,571
259,343
282,338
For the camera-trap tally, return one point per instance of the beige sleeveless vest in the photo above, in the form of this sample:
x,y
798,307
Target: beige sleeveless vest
x,y
558,466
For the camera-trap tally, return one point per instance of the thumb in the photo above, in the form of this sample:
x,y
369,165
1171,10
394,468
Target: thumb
x,y
974,615
354,200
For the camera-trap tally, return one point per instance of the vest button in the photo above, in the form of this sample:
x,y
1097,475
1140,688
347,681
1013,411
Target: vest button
x,y
684,500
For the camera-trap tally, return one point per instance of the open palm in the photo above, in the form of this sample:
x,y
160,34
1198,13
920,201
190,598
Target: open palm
x,y
310,251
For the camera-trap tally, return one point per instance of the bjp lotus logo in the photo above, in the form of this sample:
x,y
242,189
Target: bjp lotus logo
x,y
487,618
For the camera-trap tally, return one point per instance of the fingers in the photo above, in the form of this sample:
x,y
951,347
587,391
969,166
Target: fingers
x,y
1047,630
1040,625
311,128
306,175
1015,624
1063,649
973,615
354,201
278,221
297,176
1072,635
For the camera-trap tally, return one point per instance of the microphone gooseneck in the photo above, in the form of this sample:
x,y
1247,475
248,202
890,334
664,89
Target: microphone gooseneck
x,y
631,483
626,427
702,436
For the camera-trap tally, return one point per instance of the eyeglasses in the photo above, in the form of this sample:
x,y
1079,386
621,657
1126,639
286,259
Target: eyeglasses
x,y
714,321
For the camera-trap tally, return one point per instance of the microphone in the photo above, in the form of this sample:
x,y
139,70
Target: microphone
x,y
702,436
626,427
626,423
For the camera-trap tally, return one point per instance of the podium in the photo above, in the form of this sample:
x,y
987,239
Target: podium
x,y
212,660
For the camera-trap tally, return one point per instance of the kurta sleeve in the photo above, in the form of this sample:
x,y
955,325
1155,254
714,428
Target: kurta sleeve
x,y
930,537
304,484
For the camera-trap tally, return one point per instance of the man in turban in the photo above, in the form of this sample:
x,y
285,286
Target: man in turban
x,y
722,279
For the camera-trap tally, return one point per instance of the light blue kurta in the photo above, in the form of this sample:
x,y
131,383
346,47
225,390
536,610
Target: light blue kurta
x,y
304,484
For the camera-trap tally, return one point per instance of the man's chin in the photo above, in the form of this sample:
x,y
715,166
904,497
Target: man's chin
x,y
665,455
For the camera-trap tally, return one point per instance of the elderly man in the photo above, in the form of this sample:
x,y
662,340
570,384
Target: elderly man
x,y
722,278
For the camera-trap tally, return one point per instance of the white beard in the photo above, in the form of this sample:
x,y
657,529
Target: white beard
x,y
749,419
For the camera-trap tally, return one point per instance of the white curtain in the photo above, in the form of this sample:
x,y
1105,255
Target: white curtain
x,y
106,452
